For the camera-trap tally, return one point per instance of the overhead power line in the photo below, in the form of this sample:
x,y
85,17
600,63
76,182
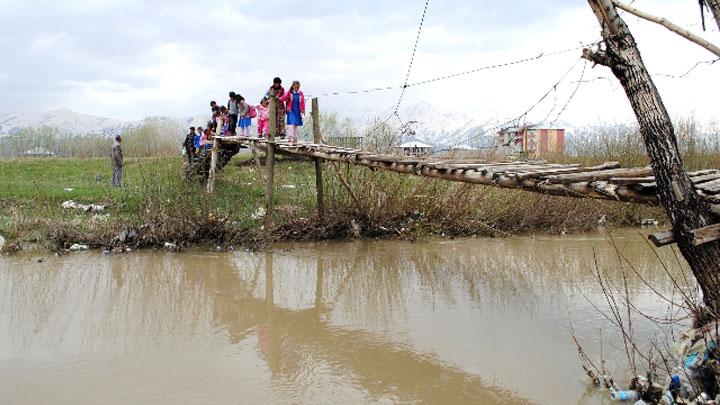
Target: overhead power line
x,y
524,114
412,56
494,66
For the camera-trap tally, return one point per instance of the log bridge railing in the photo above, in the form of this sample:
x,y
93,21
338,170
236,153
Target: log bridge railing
x,y
607,181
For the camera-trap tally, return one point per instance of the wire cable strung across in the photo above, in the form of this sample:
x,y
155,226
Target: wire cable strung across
x,y
572,95
412,56
539,56
531,108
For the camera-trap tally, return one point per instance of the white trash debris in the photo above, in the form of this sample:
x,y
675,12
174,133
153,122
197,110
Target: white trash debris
x,y
649,222
171,247
76,247
287,186
70,204
259,213
2,242
69,189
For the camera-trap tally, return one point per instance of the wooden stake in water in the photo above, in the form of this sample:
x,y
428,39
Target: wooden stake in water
x,y
317,138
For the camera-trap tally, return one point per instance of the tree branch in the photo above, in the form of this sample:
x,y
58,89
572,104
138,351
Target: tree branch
x,y
672,27
597,57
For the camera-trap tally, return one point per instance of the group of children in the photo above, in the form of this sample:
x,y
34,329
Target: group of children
x,y
239,114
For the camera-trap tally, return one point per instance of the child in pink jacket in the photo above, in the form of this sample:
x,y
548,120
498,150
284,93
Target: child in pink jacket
x,y
263,115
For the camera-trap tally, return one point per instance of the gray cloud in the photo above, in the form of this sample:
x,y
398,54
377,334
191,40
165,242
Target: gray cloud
x,y
129,59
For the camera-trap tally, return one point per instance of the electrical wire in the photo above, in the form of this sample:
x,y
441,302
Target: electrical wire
x,y
539,56
412,56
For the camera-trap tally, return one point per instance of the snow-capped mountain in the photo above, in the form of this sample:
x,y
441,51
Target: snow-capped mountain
x,y
444,128
71,122
63,119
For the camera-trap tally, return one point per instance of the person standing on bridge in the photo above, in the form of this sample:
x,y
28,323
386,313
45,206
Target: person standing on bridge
x,y
221,121
295,106
215,109
280,110
244,113
117,161
263,115
233,112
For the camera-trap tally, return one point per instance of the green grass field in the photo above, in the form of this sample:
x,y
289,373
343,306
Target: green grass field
x,y
32,190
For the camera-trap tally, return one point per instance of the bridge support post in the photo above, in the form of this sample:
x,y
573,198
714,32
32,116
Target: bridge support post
x,y
317,138
213,166
270,162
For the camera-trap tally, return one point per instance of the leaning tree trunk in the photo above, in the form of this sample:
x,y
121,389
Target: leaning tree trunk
x,y
675,191
714,6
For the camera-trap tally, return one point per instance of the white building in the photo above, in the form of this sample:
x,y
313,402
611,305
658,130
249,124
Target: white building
x,y
415,148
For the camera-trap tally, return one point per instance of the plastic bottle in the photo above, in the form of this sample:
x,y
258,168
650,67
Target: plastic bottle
x,y
624,395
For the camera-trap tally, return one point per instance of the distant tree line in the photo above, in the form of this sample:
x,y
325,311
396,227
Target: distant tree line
x,y
153,138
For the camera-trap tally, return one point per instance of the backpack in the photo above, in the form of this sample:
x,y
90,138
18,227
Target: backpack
x,y
252,111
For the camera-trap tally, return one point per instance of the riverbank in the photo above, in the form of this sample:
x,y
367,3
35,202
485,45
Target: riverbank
x,y
155,206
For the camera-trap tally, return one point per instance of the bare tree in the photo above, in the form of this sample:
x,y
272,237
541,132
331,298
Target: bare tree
x,y
714,7
685,209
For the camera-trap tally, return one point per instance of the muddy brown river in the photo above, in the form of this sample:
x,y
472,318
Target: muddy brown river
x,y
440,321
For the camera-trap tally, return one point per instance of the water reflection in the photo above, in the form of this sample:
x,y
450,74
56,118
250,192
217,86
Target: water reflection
x,y
460,321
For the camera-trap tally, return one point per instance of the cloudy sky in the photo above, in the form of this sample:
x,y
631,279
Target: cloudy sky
x,y
130,59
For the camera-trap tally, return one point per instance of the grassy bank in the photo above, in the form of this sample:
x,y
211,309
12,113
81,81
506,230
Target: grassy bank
x,y
156,206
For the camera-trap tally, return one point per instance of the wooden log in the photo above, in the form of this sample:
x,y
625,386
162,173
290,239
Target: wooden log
x,y
571,169
703,172
662,238
599,175
705,235
270,162
317,138
699,177
699,236
633,180
711,187
704,178
213,167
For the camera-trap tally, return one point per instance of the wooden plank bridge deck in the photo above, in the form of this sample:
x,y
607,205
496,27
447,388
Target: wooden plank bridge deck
x,y
607,181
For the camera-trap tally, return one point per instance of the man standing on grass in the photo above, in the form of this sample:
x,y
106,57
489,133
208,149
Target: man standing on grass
x,y
117,161
189,145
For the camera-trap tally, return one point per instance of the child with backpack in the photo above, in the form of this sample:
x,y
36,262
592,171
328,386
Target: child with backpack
x,y
247,113
263,114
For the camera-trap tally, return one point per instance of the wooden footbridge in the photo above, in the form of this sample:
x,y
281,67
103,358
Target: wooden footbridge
x,y
608,181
